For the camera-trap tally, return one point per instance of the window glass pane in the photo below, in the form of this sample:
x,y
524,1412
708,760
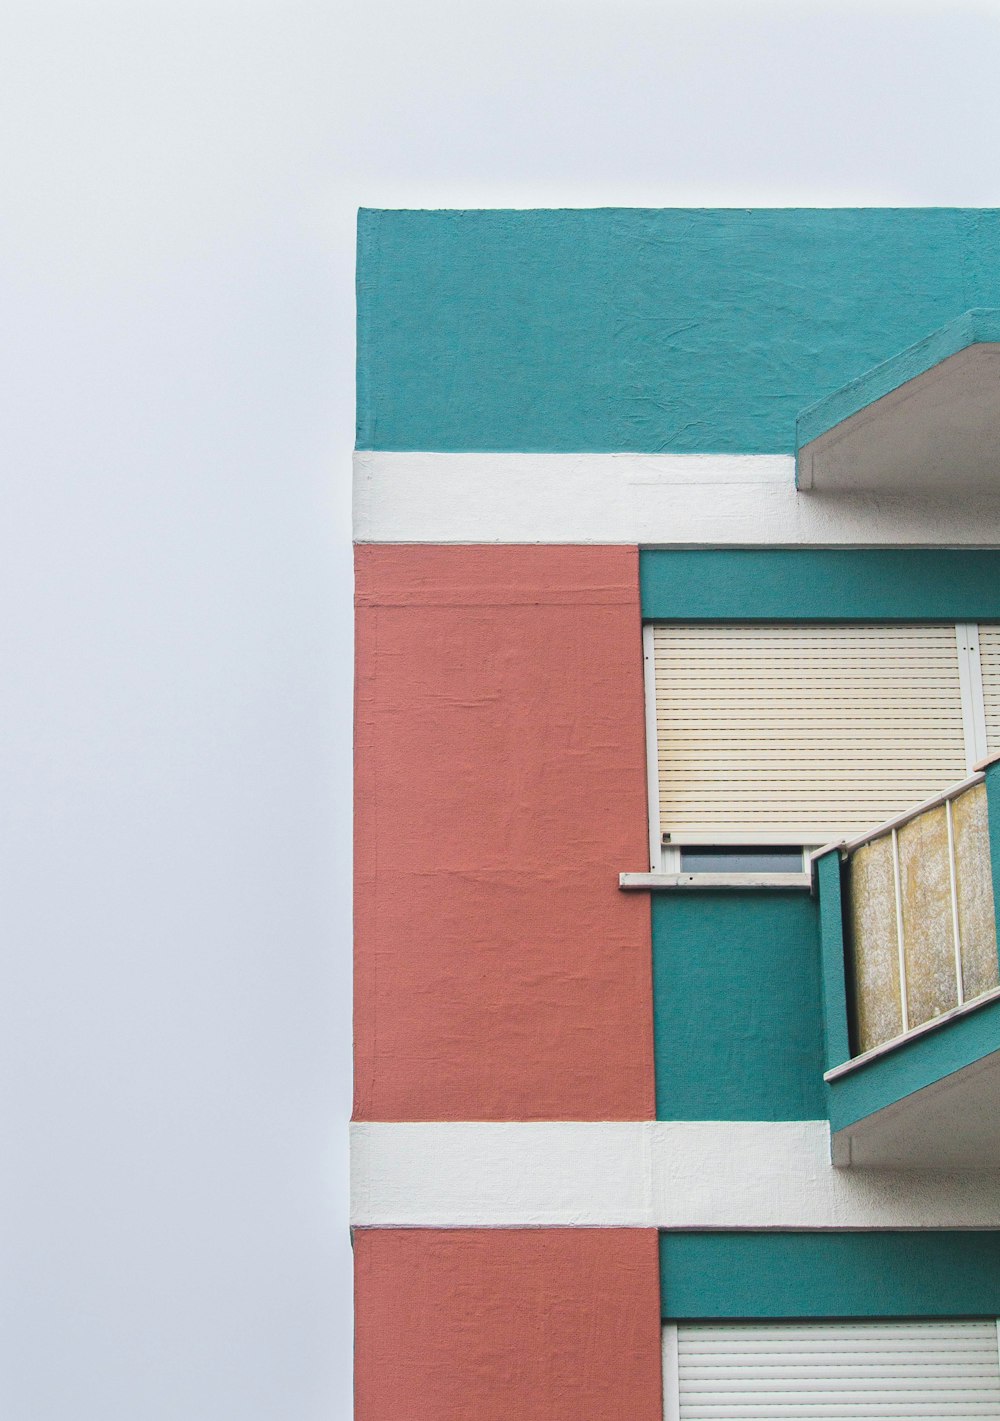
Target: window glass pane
x,y
745,859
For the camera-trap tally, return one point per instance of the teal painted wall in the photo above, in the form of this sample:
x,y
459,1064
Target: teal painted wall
x,y
820,584
736,1006
749,1275
644,329
833,960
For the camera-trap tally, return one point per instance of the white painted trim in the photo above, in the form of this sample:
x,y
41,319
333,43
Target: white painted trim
x,y
975,724
666,500
633,881
671,1374
703,1174
656,857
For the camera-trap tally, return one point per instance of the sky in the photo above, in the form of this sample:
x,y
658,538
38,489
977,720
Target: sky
x,y
179,186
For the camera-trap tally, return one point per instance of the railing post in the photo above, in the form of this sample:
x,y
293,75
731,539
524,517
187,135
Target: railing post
x,y
897,890
956,927
836,1034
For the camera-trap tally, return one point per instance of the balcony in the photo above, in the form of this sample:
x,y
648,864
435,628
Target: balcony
x,y
924,421
912,984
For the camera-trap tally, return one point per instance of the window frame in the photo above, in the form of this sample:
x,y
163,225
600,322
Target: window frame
x,y
665,856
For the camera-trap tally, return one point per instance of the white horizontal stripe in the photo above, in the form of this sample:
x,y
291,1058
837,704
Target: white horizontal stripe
x,y
643,1174
654,499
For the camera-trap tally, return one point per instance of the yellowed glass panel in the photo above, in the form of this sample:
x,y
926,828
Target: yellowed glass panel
x,y
876,960
976,917
928,939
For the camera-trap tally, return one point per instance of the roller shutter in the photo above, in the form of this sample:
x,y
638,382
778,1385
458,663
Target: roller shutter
x,y
989,659
857,1370
803,732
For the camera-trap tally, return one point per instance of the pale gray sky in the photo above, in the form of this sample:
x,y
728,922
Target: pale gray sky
x,y
179,183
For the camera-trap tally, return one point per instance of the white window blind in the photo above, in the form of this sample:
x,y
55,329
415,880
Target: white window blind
x,y
803,732
866,1371
989,658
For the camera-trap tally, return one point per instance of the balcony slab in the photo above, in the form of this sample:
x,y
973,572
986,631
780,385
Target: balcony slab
x,y
927,419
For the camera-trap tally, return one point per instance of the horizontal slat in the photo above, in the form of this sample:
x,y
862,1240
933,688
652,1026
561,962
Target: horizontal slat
x,y
897,1370
840,727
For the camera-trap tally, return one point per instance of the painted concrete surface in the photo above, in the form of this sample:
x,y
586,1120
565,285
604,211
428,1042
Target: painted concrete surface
x,y
933,584
693,1174
939,431
652,330
536,1325
651,499
795,1275
949,1124
501,786
737,1006
927,414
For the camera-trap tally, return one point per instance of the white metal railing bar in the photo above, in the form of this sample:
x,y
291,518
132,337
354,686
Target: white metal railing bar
x,y
936,1022
891,830
956,931
897,822
900,949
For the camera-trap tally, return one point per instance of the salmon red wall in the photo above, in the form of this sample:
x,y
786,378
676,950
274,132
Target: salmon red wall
x,y
501,788
507,1325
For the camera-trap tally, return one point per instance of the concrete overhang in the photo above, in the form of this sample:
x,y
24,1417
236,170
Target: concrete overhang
x,y
933,1102
927,419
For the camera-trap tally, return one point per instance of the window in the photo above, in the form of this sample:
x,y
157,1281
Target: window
x,y
865,1370
772,737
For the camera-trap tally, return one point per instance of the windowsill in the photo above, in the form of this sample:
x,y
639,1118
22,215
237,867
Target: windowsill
x,y
639,881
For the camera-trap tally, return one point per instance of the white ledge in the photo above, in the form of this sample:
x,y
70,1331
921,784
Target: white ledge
x,y
713,880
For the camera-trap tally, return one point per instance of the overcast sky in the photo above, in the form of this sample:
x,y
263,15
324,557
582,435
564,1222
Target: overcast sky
x,y
179,182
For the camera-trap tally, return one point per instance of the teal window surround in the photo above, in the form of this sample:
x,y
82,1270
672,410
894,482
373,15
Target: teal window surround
x,y
914,1064
819,584
798,1275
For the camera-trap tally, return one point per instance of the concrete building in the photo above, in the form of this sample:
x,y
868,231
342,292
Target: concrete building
x,y
678,828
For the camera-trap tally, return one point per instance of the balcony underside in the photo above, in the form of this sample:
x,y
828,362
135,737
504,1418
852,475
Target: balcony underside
x,y
926,420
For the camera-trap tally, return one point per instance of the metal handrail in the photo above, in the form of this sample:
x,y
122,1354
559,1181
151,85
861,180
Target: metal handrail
x,y
890,828
847,846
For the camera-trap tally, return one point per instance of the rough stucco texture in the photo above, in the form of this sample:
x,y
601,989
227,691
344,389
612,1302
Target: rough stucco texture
x,y
525,1325
500,973
647,330
737,997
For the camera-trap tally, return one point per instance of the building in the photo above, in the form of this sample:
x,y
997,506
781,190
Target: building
x,y
678,1017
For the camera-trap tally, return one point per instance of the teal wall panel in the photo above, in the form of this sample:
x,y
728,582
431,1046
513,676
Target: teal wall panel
x,y
736,1003
820,584
644,329
929,1273
836,1033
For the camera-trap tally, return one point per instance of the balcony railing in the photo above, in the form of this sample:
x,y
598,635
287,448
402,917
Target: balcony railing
x,y
922,937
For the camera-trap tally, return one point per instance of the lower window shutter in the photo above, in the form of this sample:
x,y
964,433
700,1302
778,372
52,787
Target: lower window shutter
x,y
803,732
867,1371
